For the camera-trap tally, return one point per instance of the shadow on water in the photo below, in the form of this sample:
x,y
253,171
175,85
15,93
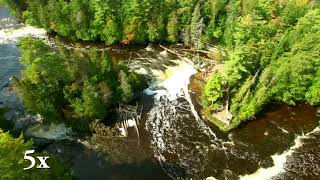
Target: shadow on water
x,y
272,132
143,170
188,149
90,164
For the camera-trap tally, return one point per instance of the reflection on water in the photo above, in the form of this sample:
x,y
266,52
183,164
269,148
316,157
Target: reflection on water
x,y
4,13
132,162
10,31
175,142
9,57
186,147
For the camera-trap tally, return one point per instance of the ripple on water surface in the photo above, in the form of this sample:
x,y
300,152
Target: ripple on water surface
x,y
187,148
183,144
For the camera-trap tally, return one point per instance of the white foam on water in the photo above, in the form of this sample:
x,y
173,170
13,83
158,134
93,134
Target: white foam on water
x,y
211,178
159,94
149,92
173,104
52,131
164,53
283,130
206,129
122,132
179,79
279,161
172,82
149,48
131,123
8,36
141,71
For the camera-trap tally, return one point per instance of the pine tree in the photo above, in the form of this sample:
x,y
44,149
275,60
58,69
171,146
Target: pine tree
x,y
197,26
173,28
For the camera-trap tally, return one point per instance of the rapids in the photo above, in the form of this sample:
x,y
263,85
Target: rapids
x,y
188,148
10,32
176,142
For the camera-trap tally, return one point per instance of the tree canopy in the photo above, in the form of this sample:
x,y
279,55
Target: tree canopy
x,y
273,56
61,84
273,46
12,163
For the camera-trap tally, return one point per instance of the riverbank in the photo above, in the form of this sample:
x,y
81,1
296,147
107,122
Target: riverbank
x,y
197,83
175,142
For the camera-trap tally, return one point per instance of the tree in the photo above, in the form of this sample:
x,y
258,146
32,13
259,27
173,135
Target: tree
x,y
172,28
197,26
59,18
125,87
90,105
45,73
80,17
313,94
214,89
215,20
156,30
273,55
11,156
293,11
12,163
111,32
65,85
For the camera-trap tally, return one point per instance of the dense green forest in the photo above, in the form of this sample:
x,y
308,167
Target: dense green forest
x,y
139,21
273,45
75,86
273,56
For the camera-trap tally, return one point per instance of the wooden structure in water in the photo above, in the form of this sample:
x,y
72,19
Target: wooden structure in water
x,y
129,116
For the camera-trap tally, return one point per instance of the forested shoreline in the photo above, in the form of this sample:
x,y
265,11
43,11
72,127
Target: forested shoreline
x,y
273,46
76,87
121,89
273,57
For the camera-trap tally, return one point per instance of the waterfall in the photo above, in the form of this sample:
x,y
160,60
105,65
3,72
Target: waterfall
x,y
173,114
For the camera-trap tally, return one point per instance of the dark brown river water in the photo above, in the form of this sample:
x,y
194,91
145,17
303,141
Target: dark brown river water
x,y
175,142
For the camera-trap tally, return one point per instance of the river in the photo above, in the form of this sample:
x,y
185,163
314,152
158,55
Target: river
x,y
176,142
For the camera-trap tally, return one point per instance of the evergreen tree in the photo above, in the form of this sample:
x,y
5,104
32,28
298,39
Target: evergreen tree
x,y
172,28
197,26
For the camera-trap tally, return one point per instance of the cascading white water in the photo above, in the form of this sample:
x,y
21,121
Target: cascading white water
x,y
173,110
182,143
279,161
11,29
11,36
10,32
